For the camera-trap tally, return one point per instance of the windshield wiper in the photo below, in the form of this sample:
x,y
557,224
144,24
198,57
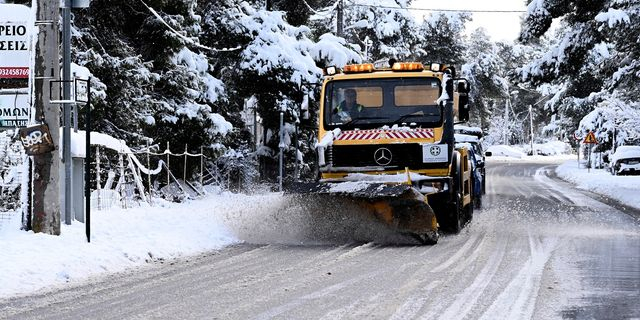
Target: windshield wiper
x,y
358,120
409,115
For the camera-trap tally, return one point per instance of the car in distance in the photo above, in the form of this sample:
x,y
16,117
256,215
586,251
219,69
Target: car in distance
x,y
626,160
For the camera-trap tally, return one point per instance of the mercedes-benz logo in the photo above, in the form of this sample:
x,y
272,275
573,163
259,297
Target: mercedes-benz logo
x,y
382,156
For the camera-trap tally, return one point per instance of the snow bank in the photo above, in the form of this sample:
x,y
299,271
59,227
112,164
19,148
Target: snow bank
x,y
120,239
622,188
505,151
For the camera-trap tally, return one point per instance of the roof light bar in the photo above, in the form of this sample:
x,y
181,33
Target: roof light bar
x,y
407,66
358,68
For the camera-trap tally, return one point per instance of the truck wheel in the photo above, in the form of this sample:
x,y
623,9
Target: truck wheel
x,y
430,238
455,218
477,202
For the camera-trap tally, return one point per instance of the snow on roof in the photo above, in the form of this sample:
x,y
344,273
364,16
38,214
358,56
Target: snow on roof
x,y
466,138
476,131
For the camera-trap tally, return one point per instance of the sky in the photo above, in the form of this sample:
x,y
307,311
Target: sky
x,y
499,26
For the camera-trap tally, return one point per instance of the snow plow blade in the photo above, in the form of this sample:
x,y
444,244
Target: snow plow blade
x,y
400,206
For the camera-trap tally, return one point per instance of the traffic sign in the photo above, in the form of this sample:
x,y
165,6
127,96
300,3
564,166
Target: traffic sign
x,y
590,138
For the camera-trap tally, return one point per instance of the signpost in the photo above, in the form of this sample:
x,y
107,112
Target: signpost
x,y
590,139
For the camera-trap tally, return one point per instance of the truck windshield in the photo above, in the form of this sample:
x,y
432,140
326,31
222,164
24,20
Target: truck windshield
x,y
373,103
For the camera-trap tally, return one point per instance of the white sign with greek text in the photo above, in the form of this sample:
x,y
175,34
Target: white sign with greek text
x,y
14,110
15,28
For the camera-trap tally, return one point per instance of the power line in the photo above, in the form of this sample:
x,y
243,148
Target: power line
x,y
440,10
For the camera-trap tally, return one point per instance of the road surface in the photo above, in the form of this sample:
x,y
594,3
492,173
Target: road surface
x,y
539,249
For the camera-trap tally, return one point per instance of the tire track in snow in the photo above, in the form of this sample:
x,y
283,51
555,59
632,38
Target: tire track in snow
x,y
518,300
458,254
412,306
279,310
465,301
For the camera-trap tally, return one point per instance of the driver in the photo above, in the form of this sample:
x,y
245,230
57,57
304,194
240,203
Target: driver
x,y
349,107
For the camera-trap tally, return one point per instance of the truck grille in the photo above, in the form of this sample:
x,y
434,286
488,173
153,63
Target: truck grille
x,y
402,155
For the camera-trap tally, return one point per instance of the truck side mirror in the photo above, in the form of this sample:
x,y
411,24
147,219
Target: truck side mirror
x,y
463,108
462,88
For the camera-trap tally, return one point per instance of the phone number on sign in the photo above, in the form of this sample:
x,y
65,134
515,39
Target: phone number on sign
x,y
14,72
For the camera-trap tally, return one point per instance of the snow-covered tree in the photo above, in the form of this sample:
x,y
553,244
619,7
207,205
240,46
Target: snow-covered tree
x,y
440,38
277,64
594,60
152,74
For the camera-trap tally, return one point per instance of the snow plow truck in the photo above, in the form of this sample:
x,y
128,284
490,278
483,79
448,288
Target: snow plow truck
x,y
386,143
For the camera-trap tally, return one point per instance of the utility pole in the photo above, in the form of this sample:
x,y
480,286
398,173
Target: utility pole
x,y
66,77
533,151
505,129
340,19
46,176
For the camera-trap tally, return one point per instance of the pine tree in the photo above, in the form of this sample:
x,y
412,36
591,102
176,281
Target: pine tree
x,y
153,78
594,60
441,40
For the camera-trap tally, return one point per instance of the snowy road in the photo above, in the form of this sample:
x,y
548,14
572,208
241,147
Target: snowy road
x,y
538,250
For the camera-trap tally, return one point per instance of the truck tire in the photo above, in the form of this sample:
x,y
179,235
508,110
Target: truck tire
x,y
456,216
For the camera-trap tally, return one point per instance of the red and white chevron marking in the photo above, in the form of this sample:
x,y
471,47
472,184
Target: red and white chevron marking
x,y
386,134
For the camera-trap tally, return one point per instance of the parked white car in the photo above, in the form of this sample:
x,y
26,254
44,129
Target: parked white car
x,y
626,160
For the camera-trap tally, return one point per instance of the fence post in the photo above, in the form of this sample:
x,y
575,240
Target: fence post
x,y
148,173
168,151
201,169
184,170
122,181
98,186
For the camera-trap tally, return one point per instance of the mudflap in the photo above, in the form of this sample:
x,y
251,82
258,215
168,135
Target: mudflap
x,y
399,206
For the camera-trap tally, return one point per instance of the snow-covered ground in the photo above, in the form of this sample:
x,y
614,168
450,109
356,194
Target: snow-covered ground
x,y
120,239
622,188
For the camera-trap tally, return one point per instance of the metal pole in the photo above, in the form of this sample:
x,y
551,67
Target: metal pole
x,y
168,171
66,77
506,121
589,161
149,174
281,149
201,168
184,170
75,110
255,127
533,151
340,19
87,164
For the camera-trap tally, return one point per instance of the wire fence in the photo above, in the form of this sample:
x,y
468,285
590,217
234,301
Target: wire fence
x,y
120,177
